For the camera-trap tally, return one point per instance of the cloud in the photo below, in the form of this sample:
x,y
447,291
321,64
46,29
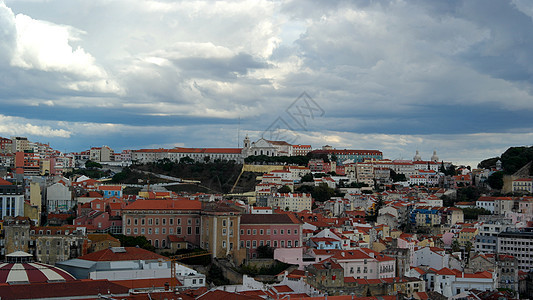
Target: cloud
x,y
43,46
11,126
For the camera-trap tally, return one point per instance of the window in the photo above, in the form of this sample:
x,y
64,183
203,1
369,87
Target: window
x,y
242,231
189,230
171,230
275,232
223,231
281,231
249,231
135,222
275,244
224,244
149,230
189,221
261,231
178,230
129,221
142,221
178,221
163,230
171,221
156,222
197,230
268,231
135,231
247,244
156,230
150,221
224,223
255,231
164,221
142,230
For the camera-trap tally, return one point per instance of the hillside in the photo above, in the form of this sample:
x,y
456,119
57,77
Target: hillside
x,y
513,159
219,176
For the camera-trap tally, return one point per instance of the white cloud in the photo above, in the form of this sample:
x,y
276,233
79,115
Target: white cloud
x,y
11,126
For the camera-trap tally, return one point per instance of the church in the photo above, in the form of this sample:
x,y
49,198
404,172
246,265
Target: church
x,y
266,147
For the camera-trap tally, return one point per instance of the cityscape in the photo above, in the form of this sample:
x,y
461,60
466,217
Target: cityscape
x,y
266,149
280,220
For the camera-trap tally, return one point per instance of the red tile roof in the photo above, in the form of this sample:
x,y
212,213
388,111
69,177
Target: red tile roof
x,y
131,253
5,182
165,205
71,289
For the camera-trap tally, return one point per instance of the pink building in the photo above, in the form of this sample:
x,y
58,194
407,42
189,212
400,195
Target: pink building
x,y
274,230
158,219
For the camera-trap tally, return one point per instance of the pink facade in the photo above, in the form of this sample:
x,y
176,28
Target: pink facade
x,y
157,227
274,230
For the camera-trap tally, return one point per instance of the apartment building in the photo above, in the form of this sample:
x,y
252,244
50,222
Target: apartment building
x,y
487,238
274,230
518,243
159,219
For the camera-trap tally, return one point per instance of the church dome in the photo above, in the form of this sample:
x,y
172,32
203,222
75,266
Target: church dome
x,y
19,268
434,157
417,156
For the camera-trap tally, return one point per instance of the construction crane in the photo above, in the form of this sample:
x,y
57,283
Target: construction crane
x,y
174,259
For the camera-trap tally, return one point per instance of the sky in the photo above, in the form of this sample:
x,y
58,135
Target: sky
x,y
454,77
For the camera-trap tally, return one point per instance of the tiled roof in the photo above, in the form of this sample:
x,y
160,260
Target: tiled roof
x,y
181,204
248,219
223,295
5,182
130,253
148,283
51,290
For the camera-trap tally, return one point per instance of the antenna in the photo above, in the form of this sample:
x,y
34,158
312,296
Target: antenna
x,y
239,133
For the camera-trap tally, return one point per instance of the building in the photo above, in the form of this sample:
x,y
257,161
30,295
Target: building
x,y
295,202
352,156
266,147
120,264
196,154
487,238
518,244
59,197
11,199
451,282
274,230
220,231
158,219
522,185
506,267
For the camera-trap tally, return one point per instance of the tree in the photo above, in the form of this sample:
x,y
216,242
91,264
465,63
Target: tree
x,y
186,160
495,180
322,192
284,189
472,213
265,251
92,164
307,178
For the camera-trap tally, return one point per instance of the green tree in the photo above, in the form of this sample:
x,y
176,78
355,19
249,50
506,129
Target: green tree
x,y
284,189
265,251
134,241
472,213
495,180
322,192
92,164
307,178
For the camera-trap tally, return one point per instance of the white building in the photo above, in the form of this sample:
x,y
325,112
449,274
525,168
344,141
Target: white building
x,y
451,282
291,201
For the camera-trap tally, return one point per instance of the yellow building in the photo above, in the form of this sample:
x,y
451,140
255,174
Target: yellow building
x,y
467,235
220,231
